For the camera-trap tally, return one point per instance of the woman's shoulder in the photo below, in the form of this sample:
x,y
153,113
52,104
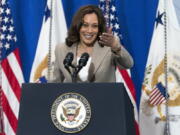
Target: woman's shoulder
x,y
61,46
65,48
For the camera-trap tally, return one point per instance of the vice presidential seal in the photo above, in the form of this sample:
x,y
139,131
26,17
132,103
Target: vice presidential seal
x,y
71,112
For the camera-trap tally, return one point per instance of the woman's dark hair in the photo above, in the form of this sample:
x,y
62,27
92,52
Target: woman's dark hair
x,y
77,21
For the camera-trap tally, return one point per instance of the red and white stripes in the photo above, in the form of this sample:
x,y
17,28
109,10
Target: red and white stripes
x,y
126,79
12,78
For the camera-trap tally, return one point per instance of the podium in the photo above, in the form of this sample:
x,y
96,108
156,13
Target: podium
x,y
111,108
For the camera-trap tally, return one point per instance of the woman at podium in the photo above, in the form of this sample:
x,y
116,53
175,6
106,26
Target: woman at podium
x,y
91,52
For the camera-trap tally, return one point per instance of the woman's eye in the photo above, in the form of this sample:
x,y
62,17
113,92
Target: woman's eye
x,y
95,26
90,25
85,25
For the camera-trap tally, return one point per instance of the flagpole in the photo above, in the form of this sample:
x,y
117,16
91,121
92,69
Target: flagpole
x,y
50,43
167,124
107,14
1,108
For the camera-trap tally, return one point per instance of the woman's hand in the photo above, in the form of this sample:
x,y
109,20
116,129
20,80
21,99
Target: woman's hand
x,y
108,39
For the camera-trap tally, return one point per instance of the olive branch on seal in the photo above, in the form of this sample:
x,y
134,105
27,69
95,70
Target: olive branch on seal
x,y
62,118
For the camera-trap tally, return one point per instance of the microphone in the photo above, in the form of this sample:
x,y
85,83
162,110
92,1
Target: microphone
x,y
82,61
68,61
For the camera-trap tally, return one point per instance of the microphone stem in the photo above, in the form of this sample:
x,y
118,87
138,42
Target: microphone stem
x,y
74,76
75,73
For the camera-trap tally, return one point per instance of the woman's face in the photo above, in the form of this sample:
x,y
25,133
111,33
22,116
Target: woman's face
x,y
89,29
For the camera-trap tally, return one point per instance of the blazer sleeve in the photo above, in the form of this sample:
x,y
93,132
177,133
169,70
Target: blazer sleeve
x,y
122,58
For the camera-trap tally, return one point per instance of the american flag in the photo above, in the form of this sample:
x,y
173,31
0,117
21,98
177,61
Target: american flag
x,y
10,71
108,8
157,95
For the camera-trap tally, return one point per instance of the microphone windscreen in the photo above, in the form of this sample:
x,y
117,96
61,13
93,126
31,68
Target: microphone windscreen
x,y
83,59
68,59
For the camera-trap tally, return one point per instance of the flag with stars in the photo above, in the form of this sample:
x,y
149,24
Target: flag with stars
x,y
108,8
11,76
158,95
53,32
160,98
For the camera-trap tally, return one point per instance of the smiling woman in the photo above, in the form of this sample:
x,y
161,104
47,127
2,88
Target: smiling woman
x,y
89,30
88,34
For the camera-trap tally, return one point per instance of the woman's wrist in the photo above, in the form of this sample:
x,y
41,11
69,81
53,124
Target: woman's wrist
x,y
116,48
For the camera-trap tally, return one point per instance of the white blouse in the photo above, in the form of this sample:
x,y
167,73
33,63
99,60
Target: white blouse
x,y
83,74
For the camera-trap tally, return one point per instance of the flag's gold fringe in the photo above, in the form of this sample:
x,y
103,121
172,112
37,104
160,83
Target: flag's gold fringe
x,y
40,68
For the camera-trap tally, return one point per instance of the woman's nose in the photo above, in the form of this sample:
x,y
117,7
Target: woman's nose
x,y
90,29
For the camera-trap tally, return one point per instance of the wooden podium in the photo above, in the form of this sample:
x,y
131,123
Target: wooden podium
x,y
111,108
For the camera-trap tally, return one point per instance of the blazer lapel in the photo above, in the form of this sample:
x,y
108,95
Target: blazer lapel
x,y
98,55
